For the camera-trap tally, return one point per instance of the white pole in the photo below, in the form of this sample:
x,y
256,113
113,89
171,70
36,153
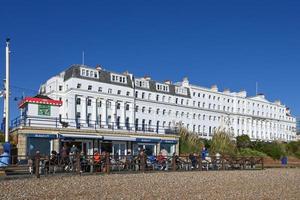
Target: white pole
x,y
7,93
256,88
4,99
82,57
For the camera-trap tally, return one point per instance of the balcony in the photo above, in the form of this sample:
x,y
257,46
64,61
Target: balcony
x,y
63,123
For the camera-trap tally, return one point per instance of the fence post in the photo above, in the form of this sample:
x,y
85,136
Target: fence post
x,y
37,164
47,166
200,163
78,170
142,163
262,163
222,163
174,162
107,163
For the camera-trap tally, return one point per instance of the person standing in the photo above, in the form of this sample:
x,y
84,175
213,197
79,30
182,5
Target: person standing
x,y
204,153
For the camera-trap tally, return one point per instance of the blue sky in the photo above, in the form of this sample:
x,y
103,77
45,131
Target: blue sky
x,y
229,43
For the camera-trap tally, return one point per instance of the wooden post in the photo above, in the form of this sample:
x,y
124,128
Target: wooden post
x,y
200,163
222,163
142,163
174,162
78,170
262,163
37,164
47,168
107,162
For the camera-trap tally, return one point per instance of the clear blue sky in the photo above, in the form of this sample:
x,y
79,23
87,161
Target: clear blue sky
x,y
229,43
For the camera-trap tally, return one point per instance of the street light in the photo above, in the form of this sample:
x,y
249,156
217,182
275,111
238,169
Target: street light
x,y
7,92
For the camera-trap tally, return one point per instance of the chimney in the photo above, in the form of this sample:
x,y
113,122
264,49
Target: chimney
x,y
277,102
146,77
214,88
168,82
185,82
242,93
98,67
226,91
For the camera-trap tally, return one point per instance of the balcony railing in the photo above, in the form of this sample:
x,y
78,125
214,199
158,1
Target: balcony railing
x,y
47,122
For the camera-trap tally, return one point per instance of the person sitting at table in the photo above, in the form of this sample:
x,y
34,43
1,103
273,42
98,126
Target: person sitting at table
x,y
97,160
161,160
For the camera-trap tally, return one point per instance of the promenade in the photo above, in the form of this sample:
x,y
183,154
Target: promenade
x,y
253,184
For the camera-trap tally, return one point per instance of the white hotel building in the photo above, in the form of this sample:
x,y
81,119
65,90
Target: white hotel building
x,y
93,99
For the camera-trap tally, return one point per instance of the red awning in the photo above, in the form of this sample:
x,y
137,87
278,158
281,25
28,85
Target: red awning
x,y
39,101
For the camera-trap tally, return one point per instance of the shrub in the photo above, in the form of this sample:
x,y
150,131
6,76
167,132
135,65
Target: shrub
x,y
189,142
207,143
250,152
243,141
222,143
293,148
275,150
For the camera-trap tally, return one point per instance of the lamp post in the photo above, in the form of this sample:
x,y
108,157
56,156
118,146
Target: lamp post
x,y
7,92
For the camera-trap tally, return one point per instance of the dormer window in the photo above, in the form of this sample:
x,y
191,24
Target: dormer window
x,y
181,90
142,83
89,73
118,78
162,87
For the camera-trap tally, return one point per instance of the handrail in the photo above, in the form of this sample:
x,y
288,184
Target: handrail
x,y
52,122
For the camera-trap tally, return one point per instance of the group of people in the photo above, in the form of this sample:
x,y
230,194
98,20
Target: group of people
x,y
194,157
68,157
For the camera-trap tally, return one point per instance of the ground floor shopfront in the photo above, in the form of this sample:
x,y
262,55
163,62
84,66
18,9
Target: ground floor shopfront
x,y
31,141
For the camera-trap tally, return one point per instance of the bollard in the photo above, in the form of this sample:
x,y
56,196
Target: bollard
x,y
107,163
37,164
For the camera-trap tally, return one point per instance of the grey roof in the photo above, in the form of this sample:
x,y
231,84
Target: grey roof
x,y
104,77
152,88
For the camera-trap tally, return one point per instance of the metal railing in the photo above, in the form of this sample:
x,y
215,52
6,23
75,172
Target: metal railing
x,y
30,121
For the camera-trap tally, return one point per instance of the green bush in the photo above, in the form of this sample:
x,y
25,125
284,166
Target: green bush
x,y
222,143
250,152
258,145
243,141
189,142
293,148
207,143
275,150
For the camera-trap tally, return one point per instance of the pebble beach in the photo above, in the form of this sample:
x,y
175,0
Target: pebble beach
x,y
255,184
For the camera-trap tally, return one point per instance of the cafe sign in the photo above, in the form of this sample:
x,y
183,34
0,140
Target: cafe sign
x,y
44,109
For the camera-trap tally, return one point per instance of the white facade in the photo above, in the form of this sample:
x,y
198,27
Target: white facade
x,y
94,97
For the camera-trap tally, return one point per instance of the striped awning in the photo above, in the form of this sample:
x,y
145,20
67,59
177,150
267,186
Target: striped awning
x,y
39,101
